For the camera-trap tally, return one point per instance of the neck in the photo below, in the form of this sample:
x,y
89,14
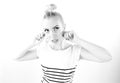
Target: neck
x,y
55,46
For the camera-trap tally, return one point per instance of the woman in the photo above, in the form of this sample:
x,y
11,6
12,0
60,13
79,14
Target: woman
x,y
59,51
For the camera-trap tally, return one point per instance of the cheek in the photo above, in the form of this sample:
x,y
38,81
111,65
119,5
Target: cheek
x,y
54,35
49,37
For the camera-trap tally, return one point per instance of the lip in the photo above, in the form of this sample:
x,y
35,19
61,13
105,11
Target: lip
x,y
55,40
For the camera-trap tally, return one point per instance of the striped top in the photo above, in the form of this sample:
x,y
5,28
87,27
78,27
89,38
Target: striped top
x,y
56,75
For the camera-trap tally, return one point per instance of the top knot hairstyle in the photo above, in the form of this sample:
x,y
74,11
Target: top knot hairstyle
x,y
50,11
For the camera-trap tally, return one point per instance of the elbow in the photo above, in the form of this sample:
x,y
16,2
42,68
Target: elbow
x,y
26,59
18,59
110,58
107,59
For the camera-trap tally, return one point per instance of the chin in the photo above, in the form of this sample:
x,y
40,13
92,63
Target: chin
x,y
53,43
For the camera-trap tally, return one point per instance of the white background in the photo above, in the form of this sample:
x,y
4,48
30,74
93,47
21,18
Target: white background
x,y
97,21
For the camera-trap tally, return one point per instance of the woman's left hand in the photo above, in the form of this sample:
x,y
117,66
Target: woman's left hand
x,y
71,36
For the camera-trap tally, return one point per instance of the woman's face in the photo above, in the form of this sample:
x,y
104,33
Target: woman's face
x,y
55,28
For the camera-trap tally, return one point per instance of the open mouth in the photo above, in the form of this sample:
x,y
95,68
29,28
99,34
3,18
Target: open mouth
x,y
55,40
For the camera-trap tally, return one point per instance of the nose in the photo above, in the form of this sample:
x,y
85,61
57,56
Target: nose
x,y
54,35
54,30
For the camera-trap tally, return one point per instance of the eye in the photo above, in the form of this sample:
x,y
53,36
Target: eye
x,y
46,30
56,27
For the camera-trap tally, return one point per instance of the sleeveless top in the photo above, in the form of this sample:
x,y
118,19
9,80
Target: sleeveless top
x,y
58,66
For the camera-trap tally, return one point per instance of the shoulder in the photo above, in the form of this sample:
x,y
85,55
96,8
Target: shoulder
x,y
76,47
67,43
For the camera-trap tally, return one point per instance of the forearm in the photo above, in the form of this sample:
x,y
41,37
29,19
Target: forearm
x,y
29,53
97,51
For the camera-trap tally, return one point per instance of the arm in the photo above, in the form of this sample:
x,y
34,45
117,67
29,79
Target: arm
x,y
91,51
31,52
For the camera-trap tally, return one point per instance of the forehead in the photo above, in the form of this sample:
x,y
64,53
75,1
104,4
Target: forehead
x,y
51,22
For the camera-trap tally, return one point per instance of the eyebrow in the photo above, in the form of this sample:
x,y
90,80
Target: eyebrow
x,y
55,26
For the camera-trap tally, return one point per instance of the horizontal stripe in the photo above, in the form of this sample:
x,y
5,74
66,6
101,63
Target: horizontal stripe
x,y
45,79
57,78
57,75
59,72
67,71
58,81
58,68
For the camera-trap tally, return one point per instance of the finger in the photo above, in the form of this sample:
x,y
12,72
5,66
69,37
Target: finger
x,y
67,36
71,35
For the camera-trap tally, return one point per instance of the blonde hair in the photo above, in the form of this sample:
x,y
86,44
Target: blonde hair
x,y
50,12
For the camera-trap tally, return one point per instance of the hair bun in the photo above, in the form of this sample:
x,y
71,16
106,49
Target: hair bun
x,y
51,8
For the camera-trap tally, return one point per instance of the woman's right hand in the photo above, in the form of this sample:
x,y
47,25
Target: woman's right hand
x,y
41,36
